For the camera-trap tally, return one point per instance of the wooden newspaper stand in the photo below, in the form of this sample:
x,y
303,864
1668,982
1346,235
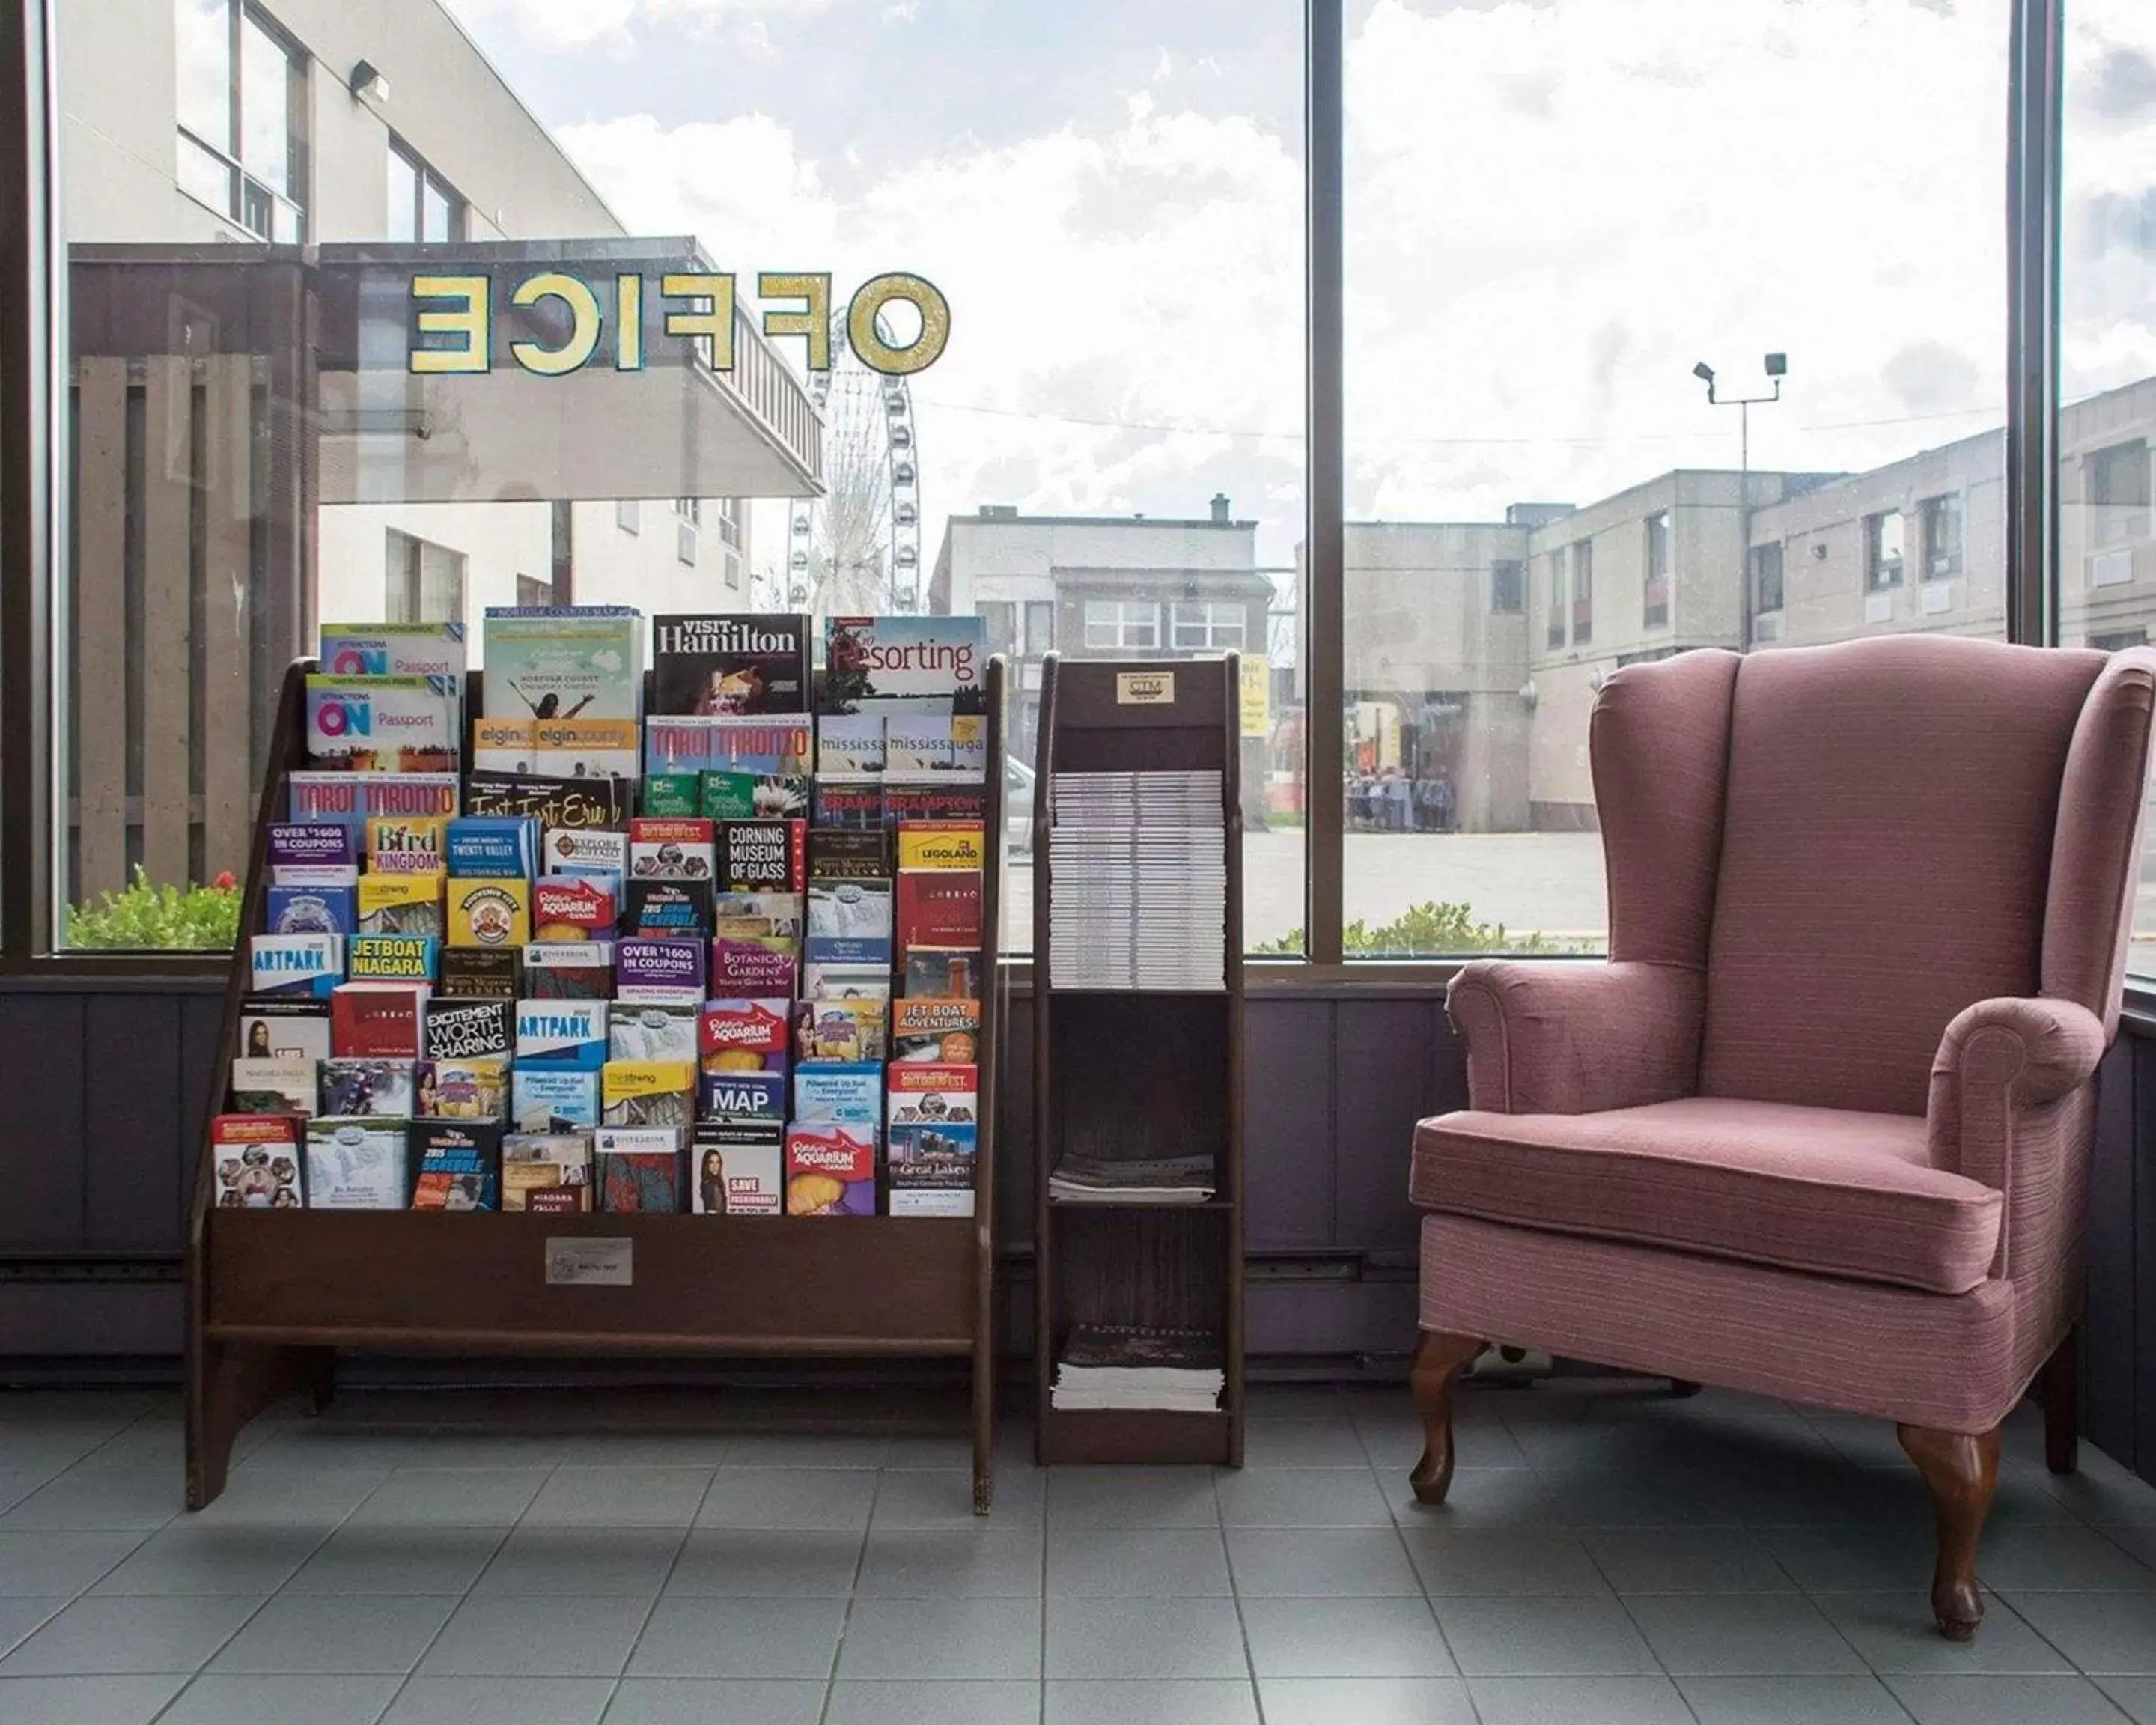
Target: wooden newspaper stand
x,y
272,1295
1138,1073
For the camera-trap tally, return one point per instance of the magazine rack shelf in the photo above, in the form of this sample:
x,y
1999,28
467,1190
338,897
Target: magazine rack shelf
x,y
1139,1073
273,1294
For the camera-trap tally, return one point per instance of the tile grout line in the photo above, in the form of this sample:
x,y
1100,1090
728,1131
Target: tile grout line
x,y
1804,1593
1668,1676
1040,1692
650,1611
202,1669
1422,1589
404,1682
853,1593
1234,1594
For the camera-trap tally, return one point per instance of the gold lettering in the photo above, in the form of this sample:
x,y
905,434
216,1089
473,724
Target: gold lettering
x,y
470,322
628,322
815,321
585,327
716,324
924,349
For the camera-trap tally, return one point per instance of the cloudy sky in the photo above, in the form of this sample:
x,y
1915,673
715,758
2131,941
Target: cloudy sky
x,y
1555,208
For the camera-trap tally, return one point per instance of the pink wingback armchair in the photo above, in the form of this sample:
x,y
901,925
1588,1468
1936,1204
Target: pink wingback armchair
x,y
1820,1128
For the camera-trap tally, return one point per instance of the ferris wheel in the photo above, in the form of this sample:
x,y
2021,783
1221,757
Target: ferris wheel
x,y
856,551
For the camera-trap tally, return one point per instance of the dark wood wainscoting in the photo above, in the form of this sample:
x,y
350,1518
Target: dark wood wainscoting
x,y
106,1084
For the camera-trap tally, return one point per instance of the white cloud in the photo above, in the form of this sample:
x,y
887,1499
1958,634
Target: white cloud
x,y
578,23
1553,214
1146,272
1554,209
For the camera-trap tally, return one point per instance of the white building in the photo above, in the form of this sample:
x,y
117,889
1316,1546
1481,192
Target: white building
x,y
1103,586
1474,650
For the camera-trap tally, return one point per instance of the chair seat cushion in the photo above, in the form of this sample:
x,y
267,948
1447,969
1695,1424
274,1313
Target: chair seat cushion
x,y
1826,1190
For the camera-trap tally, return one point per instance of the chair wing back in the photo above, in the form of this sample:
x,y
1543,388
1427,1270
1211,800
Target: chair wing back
x,y
1857,841
2096,853
1659,741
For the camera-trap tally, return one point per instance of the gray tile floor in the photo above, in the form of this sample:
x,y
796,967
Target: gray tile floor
x,y
1610,1557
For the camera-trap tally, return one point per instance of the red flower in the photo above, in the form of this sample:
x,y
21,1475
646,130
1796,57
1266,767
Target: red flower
x,y
224,882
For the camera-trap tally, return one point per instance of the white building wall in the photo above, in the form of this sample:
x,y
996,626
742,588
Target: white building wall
x,y
119,150
500,541
614,567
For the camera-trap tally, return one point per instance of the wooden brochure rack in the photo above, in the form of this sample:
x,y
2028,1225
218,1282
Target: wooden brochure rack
x,y
272,1295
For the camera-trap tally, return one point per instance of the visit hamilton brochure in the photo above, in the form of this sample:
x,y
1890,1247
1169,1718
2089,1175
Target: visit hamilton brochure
x,y
729,664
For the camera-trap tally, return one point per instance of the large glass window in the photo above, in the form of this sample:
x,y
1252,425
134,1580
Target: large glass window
x,y
2106,596
1582,593
240,101
1882,549
426,581
1209,625
1728,281
1767,580
1939,519
422,205
1655,600
1110,199
1121,625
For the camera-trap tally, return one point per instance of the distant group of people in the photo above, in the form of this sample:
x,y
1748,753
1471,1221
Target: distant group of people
x,y
1392,801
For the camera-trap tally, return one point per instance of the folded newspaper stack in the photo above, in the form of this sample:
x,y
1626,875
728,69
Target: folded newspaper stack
x,y
1138,881
1090,1179
1108,1366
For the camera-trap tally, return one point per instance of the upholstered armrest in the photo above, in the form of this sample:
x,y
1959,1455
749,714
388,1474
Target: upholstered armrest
x,y
1998,1059
2004,1070
1573,1039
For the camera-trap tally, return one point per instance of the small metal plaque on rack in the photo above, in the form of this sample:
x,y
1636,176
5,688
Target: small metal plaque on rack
x,y
1145,688
607,1262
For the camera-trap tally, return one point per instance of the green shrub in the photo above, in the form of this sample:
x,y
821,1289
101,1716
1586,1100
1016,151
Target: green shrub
x,y
148,918
1431,930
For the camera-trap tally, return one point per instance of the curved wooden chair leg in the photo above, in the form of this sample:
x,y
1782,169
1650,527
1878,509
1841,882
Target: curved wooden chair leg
x,y
1439,1360
2059,1387
1962,1470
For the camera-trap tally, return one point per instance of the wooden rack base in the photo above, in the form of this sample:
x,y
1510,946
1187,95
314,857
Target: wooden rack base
x,y
286,1289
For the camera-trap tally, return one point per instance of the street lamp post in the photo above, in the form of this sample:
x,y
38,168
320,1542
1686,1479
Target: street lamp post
x,y
1778,367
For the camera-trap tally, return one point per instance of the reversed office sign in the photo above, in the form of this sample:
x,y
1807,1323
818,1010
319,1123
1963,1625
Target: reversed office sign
x,y
568,319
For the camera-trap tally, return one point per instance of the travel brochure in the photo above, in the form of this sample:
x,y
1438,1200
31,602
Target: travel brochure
x,y
560,954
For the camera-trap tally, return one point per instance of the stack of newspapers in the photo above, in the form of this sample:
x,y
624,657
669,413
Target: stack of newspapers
x,y
1092,1179
1137,866
1106,1365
